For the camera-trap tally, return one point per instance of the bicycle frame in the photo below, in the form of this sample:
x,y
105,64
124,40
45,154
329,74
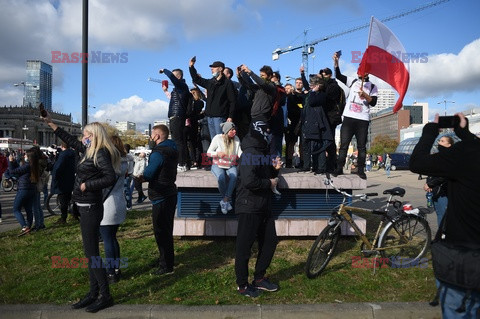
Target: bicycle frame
x,y
343,213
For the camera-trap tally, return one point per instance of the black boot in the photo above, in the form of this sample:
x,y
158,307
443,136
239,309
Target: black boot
x,y
85,301
361,173
338,171
101,303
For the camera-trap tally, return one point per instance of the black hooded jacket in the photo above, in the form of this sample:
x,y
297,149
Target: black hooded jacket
x,y
254,194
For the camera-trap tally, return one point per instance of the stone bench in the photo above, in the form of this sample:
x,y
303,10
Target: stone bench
x,y
303,208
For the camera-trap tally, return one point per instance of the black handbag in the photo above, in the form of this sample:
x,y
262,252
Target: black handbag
x,y
455,264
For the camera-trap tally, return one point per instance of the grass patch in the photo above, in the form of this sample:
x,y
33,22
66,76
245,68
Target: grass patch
x,y
204,271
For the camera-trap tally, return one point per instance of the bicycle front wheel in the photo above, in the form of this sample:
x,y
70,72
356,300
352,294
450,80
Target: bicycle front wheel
x,y
406,241
7,185
53,204
322,251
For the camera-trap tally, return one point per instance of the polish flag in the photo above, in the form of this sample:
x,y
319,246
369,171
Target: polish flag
x,y
381,59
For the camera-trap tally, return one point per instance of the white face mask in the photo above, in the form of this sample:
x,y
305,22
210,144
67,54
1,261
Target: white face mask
x,y
26,159
215,74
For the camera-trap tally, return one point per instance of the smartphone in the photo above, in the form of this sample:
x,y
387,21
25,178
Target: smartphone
x,y
339,53
165,83
194,59
448,121
43,112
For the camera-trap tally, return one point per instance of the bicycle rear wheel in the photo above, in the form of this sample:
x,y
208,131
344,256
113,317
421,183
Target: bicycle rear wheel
x,y
322,251
406,241
53,204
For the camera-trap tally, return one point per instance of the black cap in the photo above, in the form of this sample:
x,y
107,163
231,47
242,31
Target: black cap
x,y
217,64
326,70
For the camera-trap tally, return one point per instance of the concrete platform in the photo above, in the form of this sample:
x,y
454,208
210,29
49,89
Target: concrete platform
x,y
303,208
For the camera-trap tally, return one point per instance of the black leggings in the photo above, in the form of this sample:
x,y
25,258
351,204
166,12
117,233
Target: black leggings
x,y
90,218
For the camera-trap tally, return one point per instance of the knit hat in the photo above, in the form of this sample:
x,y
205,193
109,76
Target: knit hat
x,y
227,126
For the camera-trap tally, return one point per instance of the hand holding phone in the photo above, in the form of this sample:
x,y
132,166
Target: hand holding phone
x,y
165,83
448,121
43,112
194,59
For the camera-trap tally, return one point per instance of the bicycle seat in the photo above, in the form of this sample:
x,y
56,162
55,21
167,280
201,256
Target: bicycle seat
x,y
397,191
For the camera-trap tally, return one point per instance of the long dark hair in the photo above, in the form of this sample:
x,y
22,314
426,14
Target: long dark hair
x,y
33,160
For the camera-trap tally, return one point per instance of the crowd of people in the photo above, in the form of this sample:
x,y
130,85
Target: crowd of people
x,y
230,124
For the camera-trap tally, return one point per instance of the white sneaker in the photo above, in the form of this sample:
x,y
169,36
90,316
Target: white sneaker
x,y
181,168
229,206
223,207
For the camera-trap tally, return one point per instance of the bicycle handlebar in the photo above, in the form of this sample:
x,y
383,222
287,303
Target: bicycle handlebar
x,y
328,181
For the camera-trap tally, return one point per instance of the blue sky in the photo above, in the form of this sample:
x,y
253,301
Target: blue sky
x,y
166,33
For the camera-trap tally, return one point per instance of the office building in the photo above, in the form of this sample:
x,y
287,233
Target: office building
x,y
126,126
385,98
38,85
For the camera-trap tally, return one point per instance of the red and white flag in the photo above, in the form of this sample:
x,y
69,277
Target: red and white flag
x,y
381,59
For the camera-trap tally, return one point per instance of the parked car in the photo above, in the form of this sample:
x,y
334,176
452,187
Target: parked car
x,y
400,161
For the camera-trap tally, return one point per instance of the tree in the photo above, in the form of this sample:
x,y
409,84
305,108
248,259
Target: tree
x,y
383,144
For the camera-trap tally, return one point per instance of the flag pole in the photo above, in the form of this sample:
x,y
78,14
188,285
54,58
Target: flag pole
x,y
370,31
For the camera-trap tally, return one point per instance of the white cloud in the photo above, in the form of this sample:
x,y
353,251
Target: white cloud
x,y
133,109
446,73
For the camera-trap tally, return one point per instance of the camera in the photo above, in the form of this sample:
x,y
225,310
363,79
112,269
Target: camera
x,y
448,121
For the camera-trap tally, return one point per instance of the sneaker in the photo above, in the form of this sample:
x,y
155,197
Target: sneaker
x,y
223,207
164,271
362,175
229,206
264,284
25,230
141,199
181,168
249,291
61,221
0,220
113,278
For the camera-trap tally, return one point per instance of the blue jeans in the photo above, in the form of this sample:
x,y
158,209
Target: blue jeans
x,y
37,210
112,248
440,206
127,190
214,125
24,198
451,298
226,189
387,169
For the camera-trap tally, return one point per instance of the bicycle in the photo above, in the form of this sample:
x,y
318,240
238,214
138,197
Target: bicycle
x,y
53,204
9,184
404,239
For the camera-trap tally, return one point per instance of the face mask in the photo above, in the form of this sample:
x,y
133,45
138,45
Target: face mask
x,y
215,74
151,144
87,142
26,159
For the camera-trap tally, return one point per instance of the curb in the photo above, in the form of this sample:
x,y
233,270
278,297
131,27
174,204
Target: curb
x,y
315,311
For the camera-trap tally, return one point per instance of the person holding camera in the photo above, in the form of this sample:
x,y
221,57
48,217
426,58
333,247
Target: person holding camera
x,y
456,247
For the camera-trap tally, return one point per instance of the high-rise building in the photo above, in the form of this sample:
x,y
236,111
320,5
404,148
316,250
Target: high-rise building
x,y
38,86
385,98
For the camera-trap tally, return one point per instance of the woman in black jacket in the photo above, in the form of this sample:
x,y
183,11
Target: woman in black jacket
x,y
100,161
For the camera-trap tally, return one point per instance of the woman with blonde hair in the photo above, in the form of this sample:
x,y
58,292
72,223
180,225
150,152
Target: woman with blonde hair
x,y
225,150
96,171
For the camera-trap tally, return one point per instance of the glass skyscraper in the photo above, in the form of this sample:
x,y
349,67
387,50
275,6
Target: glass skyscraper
x,y
38,86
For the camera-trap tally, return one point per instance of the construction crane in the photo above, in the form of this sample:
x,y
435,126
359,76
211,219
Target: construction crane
x,y
154,80
309,48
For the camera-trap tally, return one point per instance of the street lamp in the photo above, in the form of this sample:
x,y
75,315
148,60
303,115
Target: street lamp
x,y
24,88
445,101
